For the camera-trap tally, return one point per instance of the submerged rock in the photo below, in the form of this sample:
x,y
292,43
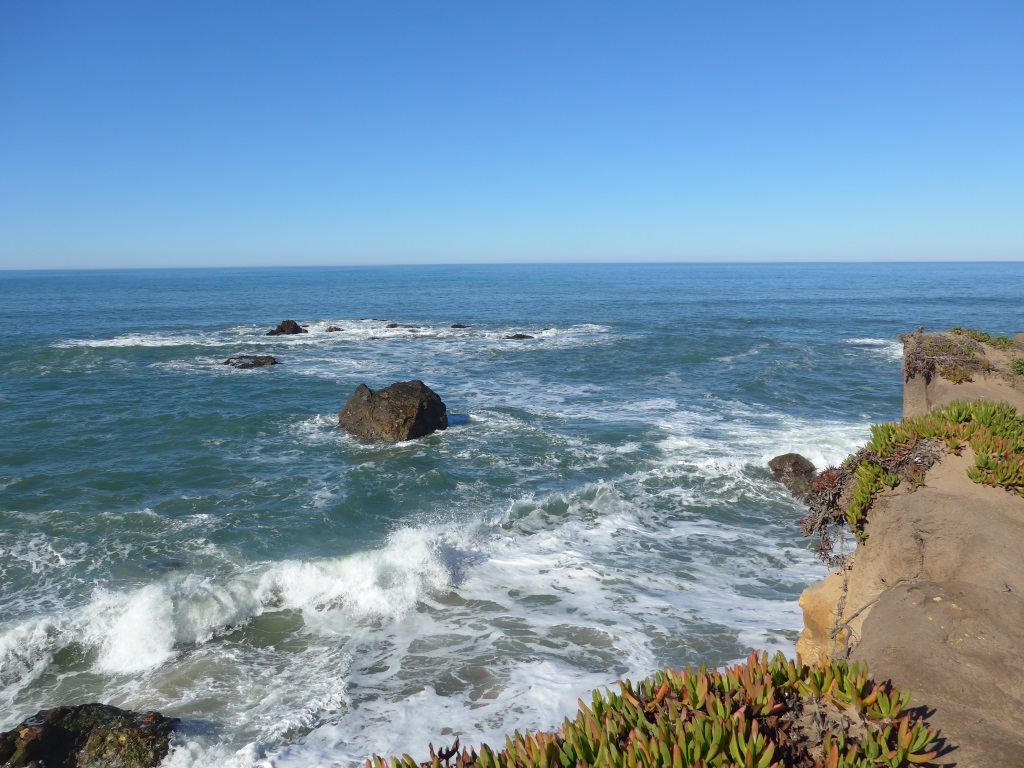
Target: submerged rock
x,y
793,471
287,328
519,336
403,411
251,361
460,325
334,329
88,736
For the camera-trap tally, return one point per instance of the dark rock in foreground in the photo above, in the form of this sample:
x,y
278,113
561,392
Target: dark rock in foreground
x,y
404,411
793,471
519,336
287,328
88,736
251,361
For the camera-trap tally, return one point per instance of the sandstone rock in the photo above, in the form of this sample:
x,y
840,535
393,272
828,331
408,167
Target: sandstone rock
x,y
793,471
251,361
287,328
820,603
404,411
88,736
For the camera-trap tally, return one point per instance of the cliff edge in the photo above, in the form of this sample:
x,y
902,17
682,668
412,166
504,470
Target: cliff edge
x,y
933,596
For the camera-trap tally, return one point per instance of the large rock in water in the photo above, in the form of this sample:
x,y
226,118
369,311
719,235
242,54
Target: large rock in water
x,y
403,411
793,471
88,736
287,328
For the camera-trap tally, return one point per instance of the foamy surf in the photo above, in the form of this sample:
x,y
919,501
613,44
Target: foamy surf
x,y
889,349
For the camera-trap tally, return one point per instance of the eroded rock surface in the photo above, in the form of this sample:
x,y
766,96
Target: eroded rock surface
x,y
88,736
403,411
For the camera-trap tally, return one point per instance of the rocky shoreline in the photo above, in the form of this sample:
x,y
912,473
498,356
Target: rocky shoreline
x,y
933,597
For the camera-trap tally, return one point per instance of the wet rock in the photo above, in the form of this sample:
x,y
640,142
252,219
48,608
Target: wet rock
x,y
334,329
287,328
460,325
793,471
519,336
404,411
88,736
251,361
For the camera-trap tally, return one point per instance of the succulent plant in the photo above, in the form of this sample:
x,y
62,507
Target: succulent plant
x,y
901,452
739,717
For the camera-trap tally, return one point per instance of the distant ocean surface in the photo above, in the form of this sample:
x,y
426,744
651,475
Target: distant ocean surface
x,y
182,536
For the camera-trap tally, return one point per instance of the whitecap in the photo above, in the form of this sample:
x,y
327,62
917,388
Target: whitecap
x,y
888,349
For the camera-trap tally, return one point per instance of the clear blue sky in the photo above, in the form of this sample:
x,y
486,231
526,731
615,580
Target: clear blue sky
x,y
180,133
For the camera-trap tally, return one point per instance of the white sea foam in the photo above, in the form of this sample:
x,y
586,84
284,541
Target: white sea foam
x,y
889,349
138,630
755,350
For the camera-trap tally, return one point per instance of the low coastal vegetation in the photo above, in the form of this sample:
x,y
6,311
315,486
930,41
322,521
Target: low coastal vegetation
x,y
956,356
901,452
761,714
955,359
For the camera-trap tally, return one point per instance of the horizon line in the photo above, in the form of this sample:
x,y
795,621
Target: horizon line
x,y
737,262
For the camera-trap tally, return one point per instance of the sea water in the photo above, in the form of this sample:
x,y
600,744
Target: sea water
x,y
179,535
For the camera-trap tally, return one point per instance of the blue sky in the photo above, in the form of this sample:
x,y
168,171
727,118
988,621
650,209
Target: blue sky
x,y
248,133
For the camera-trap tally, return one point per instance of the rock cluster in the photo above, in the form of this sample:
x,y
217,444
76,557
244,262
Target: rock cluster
x,y
404,411
88,736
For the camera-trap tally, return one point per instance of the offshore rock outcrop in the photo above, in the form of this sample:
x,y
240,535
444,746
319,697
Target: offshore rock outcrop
x,y
287,328
403,411
933,598
251,361
88,736
793,471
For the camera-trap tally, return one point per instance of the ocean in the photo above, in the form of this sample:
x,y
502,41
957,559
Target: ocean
x,y
179,535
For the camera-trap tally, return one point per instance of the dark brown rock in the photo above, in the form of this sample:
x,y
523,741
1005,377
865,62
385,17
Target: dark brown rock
x,y
88,736
793,471
404,411
287,328
334,329
251,361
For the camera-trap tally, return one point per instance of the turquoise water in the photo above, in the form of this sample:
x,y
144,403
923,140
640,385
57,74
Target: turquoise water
x,y
179,535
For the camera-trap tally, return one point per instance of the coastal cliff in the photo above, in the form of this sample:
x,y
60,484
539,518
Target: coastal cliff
x,y
933,596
